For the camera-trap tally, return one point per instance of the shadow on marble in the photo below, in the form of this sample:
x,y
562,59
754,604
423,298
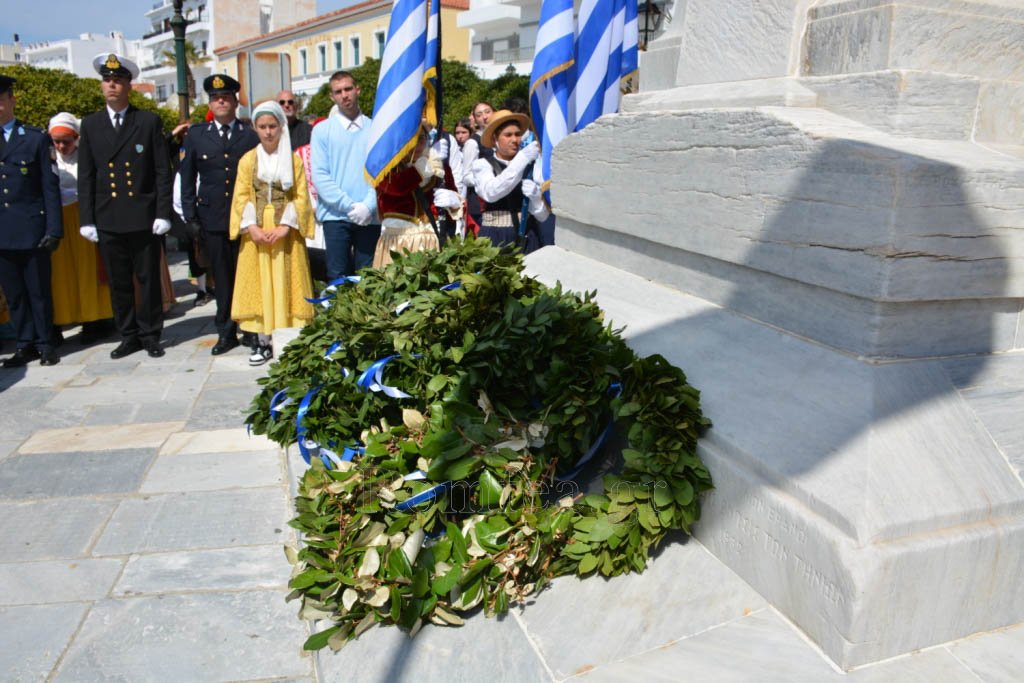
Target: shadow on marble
x,y
200,637
69,474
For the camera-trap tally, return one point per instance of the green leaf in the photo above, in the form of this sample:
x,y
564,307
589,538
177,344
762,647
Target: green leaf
x,y
587,564
437,383
488,490
319,640
442,585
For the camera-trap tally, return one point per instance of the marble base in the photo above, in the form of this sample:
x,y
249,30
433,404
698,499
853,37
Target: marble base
x,y
868,502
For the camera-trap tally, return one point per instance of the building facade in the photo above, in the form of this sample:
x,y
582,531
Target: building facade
x,y
75,55
212,23
342,39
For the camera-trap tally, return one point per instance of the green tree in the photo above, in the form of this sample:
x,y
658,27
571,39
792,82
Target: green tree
x,y
192,56
42,93
463,87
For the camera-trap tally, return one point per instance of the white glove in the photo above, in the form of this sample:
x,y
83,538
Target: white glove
x,y
360,214
530,152
531,190
446,199
89,233
161,226
442,148
424,168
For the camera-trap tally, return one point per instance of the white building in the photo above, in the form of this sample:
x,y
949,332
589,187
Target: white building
x,y
75,55
212,24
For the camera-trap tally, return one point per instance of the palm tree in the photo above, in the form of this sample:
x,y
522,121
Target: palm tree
x,y
192,58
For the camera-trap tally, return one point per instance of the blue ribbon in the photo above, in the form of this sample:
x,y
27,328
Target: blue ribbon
x,y
300,429
616,390
331,349
421,497
275,407
372,379
405,304
330,291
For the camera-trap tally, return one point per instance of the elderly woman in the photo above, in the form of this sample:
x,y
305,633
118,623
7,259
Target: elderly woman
x,y
505,181
403,200
272,216
80,290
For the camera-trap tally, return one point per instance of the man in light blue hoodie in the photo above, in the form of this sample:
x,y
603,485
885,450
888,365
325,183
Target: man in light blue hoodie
x,y
346,203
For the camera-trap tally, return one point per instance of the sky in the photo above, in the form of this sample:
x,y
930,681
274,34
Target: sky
x,y
39,20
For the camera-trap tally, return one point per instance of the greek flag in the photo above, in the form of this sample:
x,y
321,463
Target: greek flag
x,y
630,43
398,106
598,59
432,72
551,81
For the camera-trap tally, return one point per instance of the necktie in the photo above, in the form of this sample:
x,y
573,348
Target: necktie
x,y
224,132
3,139
117,122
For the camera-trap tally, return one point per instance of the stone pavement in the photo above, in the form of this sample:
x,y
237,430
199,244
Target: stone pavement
x,y
141,535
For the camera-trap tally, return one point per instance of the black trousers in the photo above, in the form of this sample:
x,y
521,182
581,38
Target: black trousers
x,y
134,253
223,256
25,279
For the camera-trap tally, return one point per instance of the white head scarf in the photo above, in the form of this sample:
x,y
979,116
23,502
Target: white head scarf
x,y
277,166
65,120
67,166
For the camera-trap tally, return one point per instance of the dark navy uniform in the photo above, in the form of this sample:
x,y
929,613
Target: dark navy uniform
x,y
124,192
31,225
211,156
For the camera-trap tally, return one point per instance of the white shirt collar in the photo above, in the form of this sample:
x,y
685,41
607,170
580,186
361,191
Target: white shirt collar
x,y
357,123
230,125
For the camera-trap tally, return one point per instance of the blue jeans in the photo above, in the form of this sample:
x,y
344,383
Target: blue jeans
x,y
349,246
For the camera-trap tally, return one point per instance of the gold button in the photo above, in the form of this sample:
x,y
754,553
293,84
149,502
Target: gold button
x,y
225,156
113,186
129,183
111,164
129,194
111,175
127,163
5,190
227,194
128,173
113,194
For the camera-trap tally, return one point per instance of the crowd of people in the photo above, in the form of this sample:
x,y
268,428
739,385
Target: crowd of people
x,y
86,206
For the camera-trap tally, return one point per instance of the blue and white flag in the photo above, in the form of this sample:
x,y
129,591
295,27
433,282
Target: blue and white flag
x,y
398,107
551,81
630,42
432,70
598,59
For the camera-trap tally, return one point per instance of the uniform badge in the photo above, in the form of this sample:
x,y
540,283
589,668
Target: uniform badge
x,y
112,62
218,82
24,170
181,154
138,148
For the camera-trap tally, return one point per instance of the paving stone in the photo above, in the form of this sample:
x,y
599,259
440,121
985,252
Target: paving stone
x,y
112,368
216,441
238,360
649,609
233,378
494,650
19,423
221,406
995,657
262,566
212,471
28,583
207,519
171,409
33,638
8,447
202,637
115,413
100,438
113,390
60,475
35,375
50,529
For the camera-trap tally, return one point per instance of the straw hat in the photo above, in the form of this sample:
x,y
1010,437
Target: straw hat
x,y
499,119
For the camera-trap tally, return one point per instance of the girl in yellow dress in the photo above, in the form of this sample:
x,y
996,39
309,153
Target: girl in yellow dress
x,y
272,216
80,291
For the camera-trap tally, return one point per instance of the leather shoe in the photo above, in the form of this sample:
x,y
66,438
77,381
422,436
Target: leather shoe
x,y
224,344
21,358
126,348
154,349
49,358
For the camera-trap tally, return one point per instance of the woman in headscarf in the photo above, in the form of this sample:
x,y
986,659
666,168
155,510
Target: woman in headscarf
x,y
272,217
81,293
506,182
404,196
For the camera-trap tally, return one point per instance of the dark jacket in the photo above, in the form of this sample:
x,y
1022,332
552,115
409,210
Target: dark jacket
x,y
214,163
124,179
29,189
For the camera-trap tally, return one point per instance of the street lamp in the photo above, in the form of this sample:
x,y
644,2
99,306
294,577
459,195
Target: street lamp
x,y
178,26
650,20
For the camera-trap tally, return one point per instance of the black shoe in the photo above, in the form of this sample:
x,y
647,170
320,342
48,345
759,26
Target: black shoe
x,y
224,344
202,298
154,349
49,358
261,354
250,340
57,338
91,332
21,358
126,348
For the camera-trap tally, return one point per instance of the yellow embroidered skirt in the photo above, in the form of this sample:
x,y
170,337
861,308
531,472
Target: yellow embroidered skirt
x,y
79,296
401,235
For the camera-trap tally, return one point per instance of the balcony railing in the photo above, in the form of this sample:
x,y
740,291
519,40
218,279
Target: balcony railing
x,y
515,54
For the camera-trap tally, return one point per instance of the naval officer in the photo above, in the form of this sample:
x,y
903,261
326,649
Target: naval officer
x,y
31,226
211,155
124,190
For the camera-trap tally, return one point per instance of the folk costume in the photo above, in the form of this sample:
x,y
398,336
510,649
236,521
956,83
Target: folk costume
x,y
124,191
211,155
81,293
30,228
401,196
273,281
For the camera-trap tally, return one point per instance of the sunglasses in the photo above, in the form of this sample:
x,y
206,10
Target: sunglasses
x,y
284,102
